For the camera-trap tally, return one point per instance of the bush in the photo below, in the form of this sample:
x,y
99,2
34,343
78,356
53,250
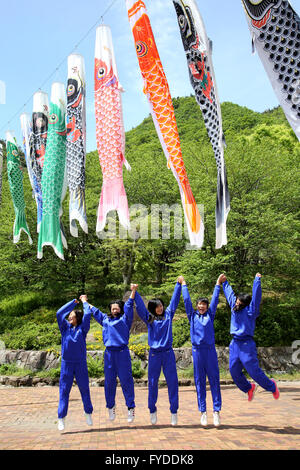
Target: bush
x,y
137,371
32,336
95,367
181,332
13,369
21,304
139,344
52,373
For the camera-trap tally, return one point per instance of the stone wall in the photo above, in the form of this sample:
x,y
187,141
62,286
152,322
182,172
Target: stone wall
x,y
276,359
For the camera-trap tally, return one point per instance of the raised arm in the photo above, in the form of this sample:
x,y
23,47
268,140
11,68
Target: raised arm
x,y
140,308
175,299
63,312
216,293
86,320
128,307
90,309
187,299
256,295
228,292
214,301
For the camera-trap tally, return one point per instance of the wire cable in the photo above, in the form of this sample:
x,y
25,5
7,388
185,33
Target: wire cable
x,y
59,65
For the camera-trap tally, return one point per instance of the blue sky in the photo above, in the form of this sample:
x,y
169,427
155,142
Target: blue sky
x,y
35,39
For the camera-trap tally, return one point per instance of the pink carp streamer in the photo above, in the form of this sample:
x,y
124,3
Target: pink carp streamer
x,y
110,132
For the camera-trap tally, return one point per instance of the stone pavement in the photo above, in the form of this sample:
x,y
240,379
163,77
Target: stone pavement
x,y
28,421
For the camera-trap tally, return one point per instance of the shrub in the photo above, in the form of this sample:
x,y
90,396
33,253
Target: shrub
x,y
32,336
21,304
181,332
137,371
52,373
13,369
139,344
95,367
99,338
139,349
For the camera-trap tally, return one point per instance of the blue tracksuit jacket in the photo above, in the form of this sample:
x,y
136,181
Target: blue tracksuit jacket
x,y
73,339
242,323
115,330
205,359
73,364
242,349
160,330
201,326
161,354
117,360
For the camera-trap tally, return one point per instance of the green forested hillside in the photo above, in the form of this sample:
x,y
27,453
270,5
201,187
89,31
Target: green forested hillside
x,y
262,159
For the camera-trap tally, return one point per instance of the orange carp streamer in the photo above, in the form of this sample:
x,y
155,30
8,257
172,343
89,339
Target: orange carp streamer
x,y
157,90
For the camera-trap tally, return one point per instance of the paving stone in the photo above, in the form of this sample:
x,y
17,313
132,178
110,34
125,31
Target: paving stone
x,y
28,421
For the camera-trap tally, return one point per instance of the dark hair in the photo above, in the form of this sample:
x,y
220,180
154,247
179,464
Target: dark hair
x,y
118,302
79,316
202,299
152,306
245,300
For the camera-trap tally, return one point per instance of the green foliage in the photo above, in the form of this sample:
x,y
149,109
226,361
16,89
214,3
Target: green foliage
x,y
137,371
95,367
262,160
32,336
51,373
21,304
13,369
181,332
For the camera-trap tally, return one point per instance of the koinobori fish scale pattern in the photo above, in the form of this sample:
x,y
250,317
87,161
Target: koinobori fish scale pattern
x,y
109,131
198,51
281,38
275,29
76,142
15,179
157,90
75,137
38,143
54,175
201,81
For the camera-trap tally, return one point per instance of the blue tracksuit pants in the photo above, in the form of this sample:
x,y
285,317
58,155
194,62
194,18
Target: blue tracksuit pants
x,y
117,362
205,362
243,353
164,360
68,371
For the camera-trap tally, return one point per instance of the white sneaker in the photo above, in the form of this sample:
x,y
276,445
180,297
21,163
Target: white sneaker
x,y
173,419
112,413
153,417
88,418
130,415
61,424
216,416
203,419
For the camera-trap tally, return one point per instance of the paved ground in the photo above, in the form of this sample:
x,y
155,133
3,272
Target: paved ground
x,y
28,421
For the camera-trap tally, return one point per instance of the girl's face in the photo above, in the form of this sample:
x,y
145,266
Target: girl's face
x,y
72,319
238,305
115,310
159,309
202,307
